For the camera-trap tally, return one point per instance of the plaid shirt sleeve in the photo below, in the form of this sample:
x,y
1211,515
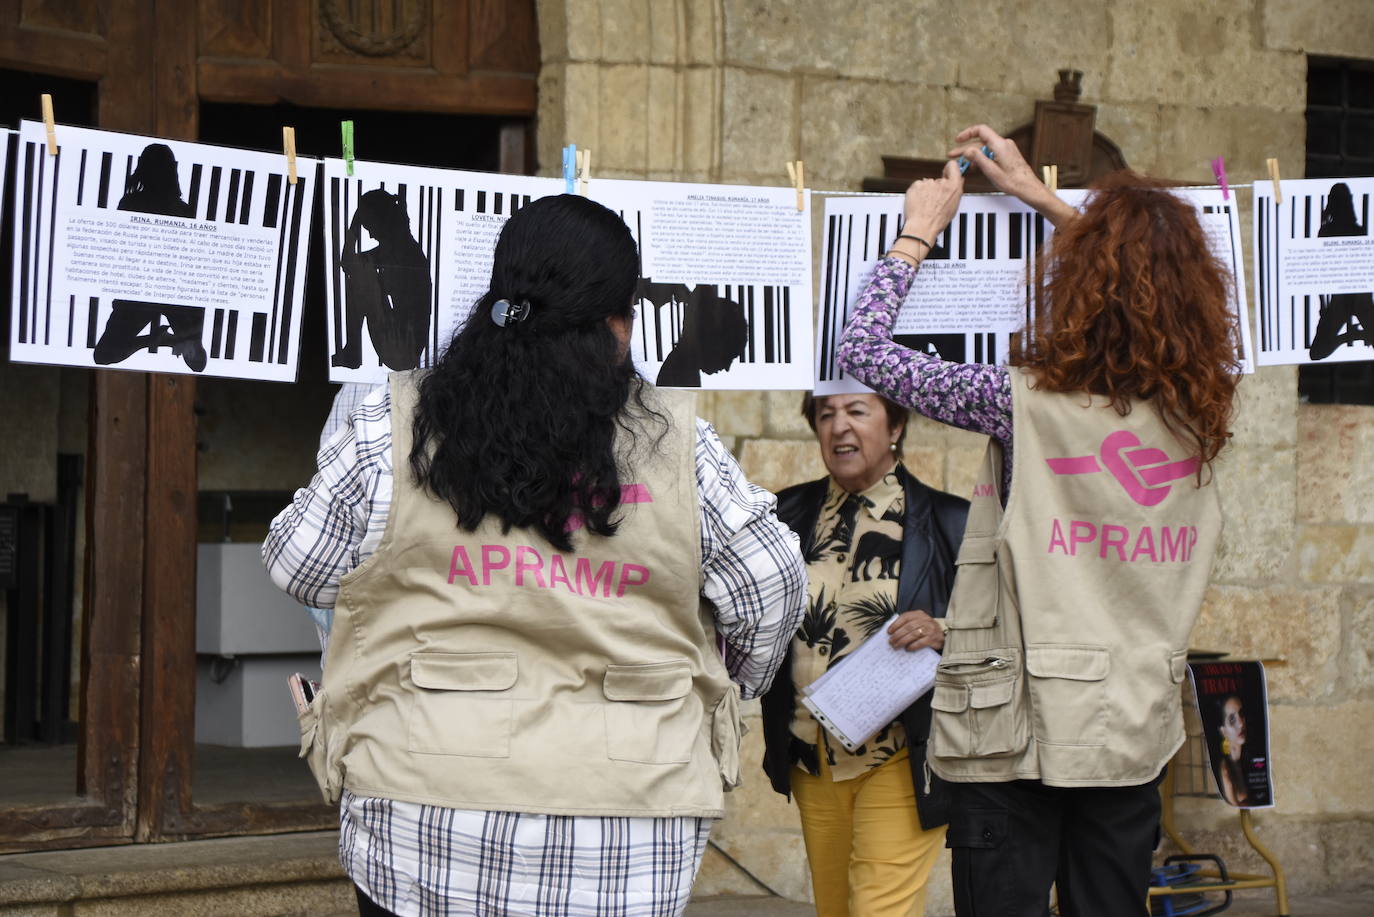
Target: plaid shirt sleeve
x,y
751,564
334,524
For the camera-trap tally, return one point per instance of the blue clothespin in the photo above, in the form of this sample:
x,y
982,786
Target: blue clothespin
x,y
570,168
964,162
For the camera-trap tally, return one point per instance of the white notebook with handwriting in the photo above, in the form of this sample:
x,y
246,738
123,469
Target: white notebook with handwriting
x,y
869,688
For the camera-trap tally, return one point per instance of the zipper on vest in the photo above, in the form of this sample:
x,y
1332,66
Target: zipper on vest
x,y
991,662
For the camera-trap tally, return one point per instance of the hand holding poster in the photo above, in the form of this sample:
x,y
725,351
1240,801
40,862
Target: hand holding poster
x,y
1233,705
163,256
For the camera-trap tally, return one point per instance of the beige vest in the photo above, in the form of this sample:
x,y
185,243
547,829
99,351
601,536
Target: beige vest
x,y
483,670
1071,609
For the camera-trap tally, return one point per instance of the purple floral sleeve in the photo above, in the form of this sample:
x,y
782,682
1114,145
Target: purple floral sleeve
x,y
970,396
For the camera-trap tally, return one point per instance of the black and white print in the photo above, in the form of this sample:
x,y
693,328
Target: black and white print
x,y
409,252
158,255
724,296
974,288
1314,271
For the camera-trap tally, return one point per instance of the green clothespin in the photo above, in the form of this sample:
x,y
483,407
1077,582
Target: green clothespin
x,y
348,144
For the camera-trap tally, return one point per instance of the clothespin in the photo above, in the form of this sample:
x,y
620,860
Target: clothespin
x,y
50,124
584,170
288,140
1051,174
964,161
1273,166
1219,170
796,171
570,168
346,127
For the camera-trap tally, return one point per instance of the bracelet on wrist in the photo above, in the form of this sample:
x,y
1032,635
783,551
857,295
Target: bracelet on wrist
x,y
916,239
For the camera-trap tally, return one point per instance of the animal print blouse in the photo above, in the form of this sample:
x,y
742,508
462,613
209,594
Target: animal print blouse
x,y
852,570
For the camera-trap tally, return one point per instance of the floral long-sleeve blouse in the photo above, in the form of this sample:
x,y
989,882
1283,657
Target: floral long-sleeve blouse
x,y
970,396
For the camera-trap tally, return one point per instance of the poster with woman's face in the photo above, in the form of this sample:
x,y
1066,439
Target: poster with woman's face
x,y
1233,705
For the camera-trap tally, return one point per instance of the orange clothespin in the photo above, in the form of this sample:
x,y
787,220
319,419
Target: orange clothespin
x,y
1273,166
1051,174
584,170
796,171
49,123
288,139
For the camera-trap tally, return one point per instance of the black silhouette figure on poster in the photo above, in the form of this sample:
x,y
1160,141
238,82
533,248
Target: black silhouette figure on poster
x,y
1344,317
388,286
153,187
714,334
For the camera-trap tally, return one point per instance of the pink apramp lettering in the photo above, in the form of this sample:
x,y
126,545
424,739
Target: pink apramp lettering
x,y
532,570
1144,472
1156,544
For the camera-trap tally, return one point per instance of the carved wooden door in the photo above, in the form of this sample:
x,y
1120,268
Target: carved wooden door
x,y
155,62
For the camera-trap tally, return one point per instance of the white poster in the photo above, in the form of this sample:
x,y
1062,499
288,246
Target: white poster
x,y
6,138
1314,271
137,253
972,292
975,286
409,254
725,283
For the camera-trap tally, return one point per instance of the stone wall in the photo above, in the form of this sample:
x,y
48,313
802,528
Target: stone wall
x,y
728,90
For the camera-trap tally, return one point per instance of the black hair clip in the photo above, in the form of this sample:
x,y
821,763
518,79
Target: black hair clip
x,y
504,312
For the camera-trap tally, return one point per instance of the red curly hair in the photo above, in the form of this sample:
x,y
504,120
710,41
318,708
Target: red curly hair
x,y
1134,305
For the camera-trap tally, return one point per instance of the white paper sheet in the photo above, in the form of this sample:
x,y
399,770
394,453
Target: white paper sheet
x,y
973,288
870,688
1314,271
158,255
429,260
725,290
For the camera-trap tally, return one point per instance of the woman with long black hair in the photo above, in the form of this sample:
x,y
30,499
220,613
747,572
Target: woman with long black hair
x,y
530,553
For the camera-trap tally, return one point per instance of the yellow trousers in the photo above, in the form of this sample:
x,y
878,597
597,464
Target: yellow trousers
x,y
864,843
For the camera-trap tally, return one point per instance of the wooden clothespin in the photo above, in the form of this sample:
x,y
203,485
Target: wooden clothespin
x,y
796,171
50,123
1051,174
584,170
346,128
1219,170
1273,166
570,169
288,140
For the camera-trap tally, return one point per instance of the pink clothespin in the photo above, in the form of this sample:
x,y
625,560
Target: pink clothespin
x,y
1219,170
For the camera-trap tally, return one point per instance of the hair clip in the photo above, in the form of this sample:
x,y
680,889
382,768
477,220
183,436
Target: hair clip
x,y
504,312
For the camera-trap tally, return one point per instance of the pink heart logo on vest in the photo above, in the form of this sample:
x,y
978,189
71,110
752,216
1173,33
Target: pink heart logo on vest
x,y
629,493
1143,471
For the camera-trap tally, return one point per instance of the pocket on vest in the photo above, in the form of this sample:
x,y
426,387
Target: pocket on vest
x,y
653,717
974,601
978,706
315,750
1069,692
458,708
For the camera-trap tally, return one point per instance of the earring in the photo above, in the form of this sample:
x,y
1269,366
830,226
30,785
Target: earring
x,y
1225,746
893,447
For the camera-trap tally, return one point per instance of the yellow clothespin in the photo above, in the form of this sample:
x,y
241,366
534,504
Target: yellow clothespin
x,y
1273,165
584,170
796,172
1051,174
50,124
288,140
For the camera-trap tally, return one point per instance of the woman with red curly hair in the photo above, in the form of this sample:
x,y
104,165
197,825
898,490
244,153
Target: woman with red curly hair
x,y
1089,544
